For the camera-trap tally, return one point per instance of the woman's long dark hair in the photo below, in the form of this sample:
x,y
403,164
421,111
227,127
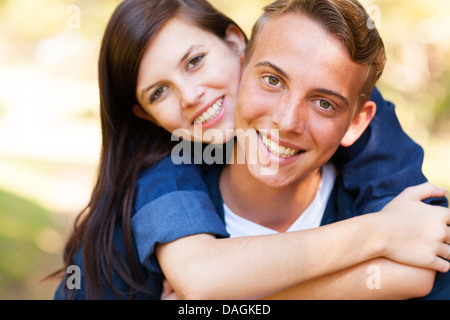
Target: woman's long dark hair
x,y
129,143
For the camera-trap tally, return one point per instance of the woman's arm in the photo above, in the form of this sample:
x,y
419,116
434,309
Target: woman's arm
x,y
378,279
202,267
407,231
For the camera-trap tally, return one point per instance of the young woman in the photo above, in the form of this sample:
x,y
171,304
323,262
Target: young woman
x,y
161,56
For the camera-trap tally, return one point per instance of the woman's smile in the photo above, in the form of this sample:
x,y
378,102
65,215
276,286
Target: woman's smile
x,y
210,113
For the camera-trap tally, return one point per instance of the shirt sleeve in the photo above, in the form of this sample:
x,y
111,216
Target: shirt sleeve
x,y
172,202
152,282
382,163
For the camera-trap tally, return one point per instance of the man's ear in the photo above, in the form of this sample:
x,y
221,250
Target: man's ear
x,y
359,123
141,113
236,40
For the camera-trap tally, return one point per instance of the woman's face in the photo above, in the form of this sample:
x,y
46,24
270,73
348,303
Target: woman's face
x,y
188,81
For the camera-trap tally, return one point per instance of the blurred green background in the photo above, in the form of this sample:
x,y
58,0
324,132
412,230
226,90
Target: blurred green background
x,y
49,126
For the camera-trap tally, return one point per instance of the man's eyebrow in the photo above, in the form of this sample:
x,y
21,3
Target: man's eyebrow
x,y
335,94
274,67
321,90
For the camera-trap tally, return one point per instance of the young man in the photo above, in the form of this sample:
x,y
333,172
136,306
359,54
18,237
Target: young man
x,y
310,69
305,88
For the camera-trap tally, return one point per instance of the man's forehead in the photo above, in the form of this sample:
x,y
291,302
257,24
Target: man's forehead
x,y
301,47
296,30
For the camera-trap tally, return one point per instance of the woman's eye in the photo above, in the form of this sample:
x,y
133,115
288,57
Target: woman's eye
x,y
324,104
157,94
195,61
273,81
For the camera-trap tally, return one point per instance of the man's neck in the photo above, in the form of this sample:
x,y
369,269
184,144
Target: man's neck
x,y
274,208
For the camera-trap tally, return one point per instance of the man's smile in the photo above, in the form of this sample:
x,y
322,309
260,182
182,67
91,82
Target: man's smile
x,y
278,150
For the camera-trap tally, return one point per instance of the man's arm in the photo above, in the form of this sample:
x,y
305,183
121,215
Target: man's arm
x,y
378,279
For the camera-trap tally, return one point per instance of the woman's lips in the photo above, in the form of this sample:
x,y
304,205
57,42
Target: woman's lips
x,y
210,113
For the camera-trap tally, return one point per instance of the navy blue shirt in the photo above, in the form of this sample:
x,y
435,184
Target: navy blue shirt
x,y
382,162
175,201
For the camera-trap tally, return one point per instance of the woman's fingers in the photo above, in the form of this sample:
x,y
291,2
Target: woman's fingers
x,y
443,263
424,233
444,251
424,191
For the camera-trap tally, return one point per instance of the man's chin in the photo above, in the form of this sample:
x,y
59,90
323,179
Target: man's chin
x,y
269,176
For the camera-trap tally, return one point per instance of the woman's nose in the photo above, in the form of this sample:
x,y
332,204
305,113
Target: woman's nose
x,y
191,95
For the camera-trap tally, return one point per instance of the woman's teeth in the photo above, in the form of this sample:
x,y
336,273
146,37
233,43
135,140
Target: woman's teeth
x,y
211,113
278,150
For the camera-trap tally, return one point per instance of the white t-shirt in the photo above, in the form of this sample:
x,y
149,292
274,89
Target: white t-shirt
x,y
311,218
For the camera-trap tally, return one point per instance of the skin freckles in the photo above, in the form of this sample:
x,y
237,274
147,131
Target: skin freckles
x,y
300,90
310,99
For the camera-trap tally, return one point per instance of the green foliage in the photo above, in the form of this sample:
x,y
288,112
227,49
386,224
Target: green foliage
x,y
441,120
23,225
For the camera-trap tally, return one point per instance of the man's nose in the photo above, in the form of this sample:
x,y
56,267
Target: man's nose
x,y
291,116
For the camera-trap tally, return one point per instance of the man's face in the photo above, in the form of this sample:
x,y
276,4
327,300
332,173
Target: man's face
x,y
299,95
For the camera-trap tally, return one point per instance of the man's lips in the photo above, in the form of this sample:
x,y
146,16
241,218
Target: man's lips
x,y
280,148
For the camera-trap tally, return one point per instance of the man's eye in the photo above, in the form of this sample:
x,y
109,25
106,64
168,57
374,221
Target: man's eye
x,y
273,81
195,61
324,104
157,94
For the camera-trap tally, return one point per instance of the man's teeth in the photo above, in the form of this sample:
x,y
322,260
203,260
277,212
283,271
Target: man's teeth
x,y
211,113
278,150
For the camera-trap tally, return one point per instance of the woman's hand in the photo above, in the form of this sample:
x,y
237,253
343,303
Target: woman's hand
x,y
168,293
417,233
167,290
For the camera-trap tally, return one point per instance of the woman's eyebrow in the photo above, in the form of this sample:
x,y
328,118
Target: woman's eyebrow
x,y
187,54
189,51
146,90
